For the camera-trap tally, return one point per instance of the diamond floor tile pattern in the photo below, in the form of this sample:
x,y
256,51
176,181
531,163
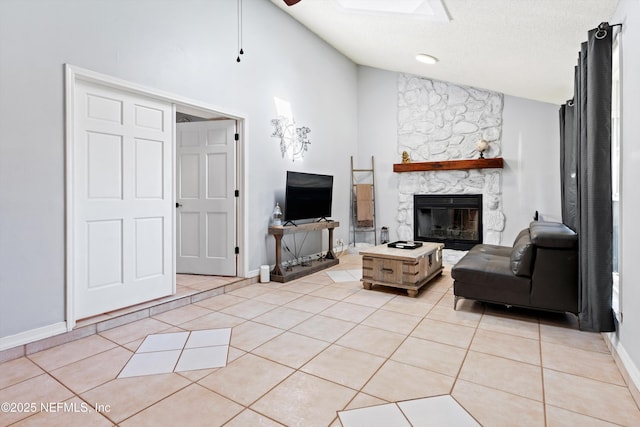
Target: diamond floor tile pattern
x,y
178,352
430,411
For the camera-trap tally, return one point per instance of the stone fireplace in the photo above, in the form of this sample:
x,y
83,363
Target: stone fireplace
x,y
452,219
440,121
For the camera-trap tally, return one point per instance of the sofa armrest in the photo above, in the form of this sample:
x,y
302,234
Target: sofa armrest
x,y
555,280
552,235
523,232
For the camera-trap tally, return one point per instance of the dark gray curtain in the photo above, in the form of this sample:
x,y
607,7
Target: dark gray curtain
x,y
568,169
585,126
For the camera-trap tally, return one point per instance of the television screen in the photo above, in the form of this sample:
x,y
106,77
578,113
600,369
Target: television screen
x,y
307,196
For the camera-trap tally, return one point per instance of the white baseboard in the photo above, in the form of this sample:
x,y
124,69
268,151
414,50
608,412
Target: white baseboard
x,y
32,335
630,371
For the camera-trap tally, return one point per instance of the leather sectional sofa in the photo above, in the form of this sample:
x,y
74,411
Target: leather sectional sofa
x,y
539,271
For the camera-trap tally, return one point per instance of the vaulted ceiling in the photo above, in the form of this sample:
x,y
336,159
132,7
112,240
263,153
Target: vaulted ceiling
x,y
525,48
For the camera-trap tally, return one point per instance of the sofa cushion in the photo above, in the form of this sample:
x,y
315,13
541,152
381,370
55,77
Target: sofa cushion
x,y
521,257
481,274
491,250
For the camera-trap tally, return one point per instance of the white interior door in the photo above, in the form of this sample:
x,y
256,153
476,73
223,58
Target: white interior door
x,y
206,203
122,199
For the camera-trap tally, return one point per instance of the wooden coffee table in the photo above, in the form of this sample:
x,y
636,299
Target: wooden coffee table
x,y
408,269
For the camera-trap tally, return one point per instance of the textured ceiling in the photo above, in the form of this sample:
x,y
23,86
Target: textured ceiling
x,y
525,48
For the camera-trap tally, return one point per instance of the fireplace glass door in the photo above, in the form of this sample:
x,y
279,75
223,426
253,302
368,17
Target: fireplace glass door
x,y
455,220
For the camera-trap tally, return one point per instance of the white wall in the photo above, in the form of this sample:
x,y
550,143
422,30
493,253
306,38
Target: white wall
x,y
377,137
531,174
185,47
628,13
530,148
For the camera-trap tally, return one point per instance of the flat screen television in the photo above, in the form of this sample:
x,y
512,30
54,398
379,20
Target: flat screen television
x,y
307,196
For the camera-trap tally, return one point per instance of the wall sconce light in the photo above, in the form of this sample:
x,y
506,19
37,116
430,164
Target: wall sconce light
x,y
482,146
294,141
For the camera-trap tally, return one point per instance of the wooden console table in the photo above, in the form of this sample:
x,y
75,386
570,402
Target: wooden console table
x,y
278,231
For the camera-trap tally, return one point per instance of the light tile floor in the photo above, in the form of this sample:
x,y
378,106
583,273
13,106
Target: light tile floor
x,y
310,352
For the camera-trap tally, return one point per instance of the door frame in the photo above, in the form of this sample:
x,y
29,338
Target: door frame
x,y
179,103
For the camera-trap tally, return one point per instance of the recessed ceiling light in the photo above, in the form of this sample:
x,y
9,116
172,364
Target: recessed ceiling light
x,y
426,59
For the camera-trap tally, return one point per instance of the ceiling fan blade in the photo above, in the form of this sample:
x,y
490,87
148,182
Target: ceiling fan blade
x,y
291,2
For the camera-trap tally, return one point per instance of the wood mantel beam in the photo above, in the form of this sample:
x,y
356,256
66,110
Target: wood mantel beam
x,y
444,165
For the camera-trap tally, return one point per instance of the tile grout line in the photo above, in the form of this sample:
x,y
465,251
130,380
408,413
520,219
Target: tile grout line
x,y
295,370
117,345
542,401
298,369
117,423
73,393
455,381
544,393
189,384
442,297
360,323
388,358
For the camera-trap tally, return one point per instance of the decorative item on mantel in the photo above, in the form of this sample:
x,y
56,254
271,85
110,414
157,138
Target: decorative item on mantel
x,y
482,146
405,157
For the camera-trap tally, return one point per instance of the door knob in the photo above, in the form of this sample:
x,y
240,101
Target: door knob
x,y
178,204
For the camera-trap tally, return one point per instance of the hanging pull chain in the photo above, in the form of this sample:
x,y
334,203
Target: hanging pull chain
x,y
241,27
240,50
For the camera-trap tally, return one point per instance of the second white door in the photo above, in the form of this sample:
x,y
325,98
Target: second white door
x,y
206,202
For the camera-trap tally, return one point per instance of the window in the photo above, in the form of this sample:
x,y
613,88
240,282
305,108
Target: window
x,y
615,173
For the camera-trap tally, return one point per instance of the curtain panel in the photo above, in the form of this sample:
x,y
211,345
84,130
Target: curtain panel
x,y
585,144
568,169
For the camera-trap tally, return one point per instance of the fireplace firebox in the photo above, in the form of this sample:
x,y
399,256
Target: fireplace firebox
x,y
452,219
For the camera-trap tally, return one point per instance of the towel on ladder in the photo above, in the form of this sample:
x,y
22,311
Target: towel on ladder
x,y
364,205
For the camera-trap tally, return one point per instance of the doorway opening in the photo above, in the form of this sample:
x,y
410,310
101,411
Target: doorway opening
x,y
206,184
